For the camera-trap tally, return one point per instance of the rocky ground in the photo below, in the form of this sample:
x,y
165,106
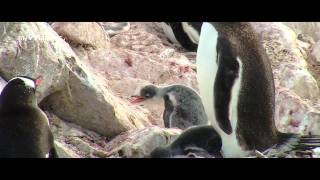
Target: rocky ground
x,y
90,72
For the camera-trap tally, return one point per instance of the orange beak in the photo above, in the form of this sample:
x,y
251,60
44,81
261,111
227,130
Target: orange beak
x,y
136,99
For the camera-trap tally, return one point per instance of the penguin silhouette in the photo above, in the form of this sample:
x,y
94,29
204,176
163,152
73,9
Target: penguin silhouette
x,y
24,128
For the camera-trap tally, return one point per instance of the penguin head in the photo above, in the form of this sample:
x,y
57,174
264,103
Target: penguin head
x,y
160,152
147,92
20,90
178,152
195,142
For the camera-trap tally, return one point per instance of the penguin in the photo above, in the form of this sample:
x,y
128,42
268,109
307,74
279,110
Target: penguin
x,y
114,28
185,34
195,142
183,106
24,128
237,89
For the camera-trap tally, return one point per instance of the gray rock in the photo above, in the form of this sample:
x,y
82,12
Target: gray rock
x,y
140,143
309,28
70,89
64,152
289,65
87,34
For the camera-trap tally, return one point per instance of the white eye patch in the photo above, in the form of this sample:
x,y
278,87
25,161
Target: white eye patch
x,y
27,82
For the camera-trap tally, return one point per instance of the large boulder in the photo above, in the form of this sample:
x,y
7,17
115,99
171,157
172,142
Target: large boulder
x,y
87,34
297,91
310,28
70,89
295,115
286,54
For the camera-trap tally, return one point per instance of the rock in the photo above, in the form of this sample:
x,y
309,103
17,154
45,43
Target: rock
x,y
310,28
64,152
114,28
34,49
140,143
298,80
295,115
89,105
289,66
88,34
70,89
75,141
314,62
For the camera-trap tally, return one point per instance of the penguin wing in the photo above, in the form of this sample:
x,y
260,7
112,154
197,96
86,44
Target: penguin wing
x,y
180,120
225,81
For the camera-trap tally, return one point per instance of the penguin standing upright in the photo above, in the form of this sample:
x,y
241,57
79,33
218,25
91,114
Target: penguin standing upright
x,y
237,89
183,106
24,128
185,34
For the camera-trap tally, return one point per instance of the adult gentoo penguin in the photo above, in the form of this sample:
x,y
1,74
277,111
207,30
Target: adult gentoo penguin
x,y
24,128
198,141
237,89
183,106
185,34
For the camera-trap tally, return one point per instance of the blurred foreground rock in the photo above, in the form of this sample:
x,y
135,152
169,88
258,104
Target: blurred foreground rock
x,y
70,89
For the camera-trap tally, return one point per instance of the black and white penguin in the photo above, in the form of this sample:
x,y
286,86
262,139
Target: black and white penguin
x,y
185,34
195,142
114,28
183,106
24,128
237,89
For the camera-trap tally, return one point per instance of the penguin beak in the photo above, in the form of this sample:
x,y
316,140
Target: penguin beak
x,y
38,80
136,99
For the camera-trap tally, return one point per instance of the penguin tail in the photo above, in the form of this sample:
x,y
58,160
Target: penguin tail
x,y
300,144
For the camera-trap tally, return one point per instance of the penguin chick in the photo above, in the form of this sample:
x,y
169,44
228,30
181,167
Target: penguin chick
x,y
183,106
24,128
199,141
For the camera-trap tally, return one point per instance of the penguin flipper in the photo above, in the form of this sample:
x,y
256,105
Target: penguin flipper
x,y
179,120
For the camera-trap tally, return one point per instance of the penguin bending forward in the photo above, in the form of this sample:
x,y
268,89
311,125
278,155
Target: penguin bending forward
x,y
24,128
198,141
237,89
183,106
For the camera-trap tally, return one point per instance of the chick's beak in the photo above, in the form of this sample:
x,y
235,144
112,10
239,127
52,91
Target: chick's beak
x,y
38,80
136,99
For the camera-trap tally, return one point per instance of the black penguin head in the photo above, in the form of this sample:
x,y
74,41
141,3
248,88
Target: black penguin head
x,y
160,152
20,90
180,152
198,141
146,92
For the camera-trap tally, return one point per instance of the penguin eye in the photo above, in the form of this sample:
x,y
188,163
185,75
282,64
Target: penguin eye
x,y
147,95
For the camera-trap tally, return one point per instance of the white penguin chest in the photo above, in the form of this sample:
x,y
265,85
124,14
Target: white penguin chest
x,y
206,74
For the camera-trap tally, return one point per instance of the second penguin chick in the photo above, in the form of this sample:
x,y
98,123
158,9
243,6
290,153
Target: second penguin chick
x,y
183,105
200,141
